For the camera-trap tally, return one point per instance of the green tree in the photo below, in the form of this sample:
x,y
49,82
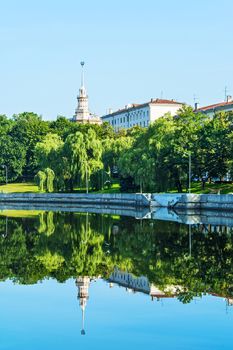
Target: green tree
x,y
13,156
5,125
63,127
47,150
83,153
28,129
49,179
217,137
40,180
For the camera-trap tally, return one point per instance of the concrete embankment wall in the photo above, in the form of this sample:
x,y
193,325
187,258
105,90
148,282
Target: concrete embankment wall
x,y
176,201
117,199
193,201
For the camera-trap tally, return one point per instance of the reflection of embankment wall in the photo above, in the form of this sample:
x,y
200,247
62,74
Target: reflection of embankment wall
x,y
110,209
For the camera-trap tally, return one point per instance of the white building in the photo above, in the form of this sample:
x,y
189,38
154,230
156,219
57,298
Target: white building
x,y
82,113
226,106
141,114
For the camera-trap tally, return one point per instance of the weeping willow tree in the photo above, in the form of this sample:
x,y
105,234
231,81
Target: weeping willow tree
x,y
40,179
49,179
84,157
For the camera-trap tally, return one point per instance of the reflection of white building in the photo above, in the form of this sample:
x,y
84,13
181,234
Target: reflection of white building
x,y
141,284
141,114
229,301
132,284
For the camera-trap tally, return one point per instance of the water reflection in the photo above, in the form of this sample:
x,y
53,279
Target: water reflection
x,y
160,258
83,283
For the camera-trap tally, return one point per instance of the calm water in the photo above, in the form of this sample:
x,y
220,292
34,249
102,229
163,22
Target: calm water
x,y
91,281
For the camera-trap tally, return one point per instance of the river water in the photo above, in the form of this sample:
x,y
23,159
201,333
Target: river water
x,y
95,281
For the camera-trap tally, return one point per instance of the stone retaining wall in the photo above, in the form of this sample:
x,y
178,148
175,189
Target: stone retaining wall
x,y
176,201
120,199
193,201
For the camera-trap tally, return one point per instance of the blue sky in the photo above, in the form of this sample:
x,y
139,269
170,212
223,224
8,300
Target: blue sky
x,y
133,50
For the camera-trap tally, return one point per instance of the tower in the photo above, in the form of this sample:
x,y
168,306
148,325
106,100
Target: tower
x,y
82,113
83,284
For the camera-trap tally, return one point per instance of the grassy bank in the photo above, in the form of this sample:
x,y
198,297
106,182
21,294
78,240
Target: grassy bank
x,y
25,187
196,187
28,187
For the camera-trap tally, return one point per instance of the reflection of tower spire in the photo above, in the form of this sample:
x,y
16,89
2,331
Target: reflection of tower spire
x,y
83,320
83,283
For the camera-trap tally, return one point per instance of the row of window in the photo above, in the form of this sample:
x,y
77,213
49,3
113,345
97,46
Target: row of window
x,y
125,124
138,114
130,125
143,124
129,118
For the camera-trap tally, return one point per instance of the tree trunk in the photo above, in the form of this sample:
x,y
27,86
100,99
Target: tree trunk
x,y
71,185
203,184
179,186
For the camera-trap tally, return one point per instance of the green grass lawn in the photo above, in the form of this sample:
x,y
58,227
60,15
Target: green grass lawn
x,y
196,187
28,187
25,187
115,188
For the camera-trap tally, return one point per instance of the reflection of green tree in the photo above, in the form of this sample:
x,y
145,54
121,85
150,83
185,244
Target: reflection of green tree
x,y
64,245
160,251
16,251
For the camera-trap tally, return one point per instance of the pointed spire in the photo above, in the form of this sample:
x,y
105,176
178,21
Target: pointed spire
x,y
82,90
82,74
82,113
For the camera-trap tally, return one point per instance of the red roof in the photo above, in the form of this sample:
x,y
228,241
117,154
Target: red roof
x,y
216,105
163,101
152,101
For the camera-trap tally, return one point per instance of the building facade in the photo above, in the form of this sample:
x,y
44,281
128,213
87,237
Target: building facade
x,y
210,110
82,114
141,114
